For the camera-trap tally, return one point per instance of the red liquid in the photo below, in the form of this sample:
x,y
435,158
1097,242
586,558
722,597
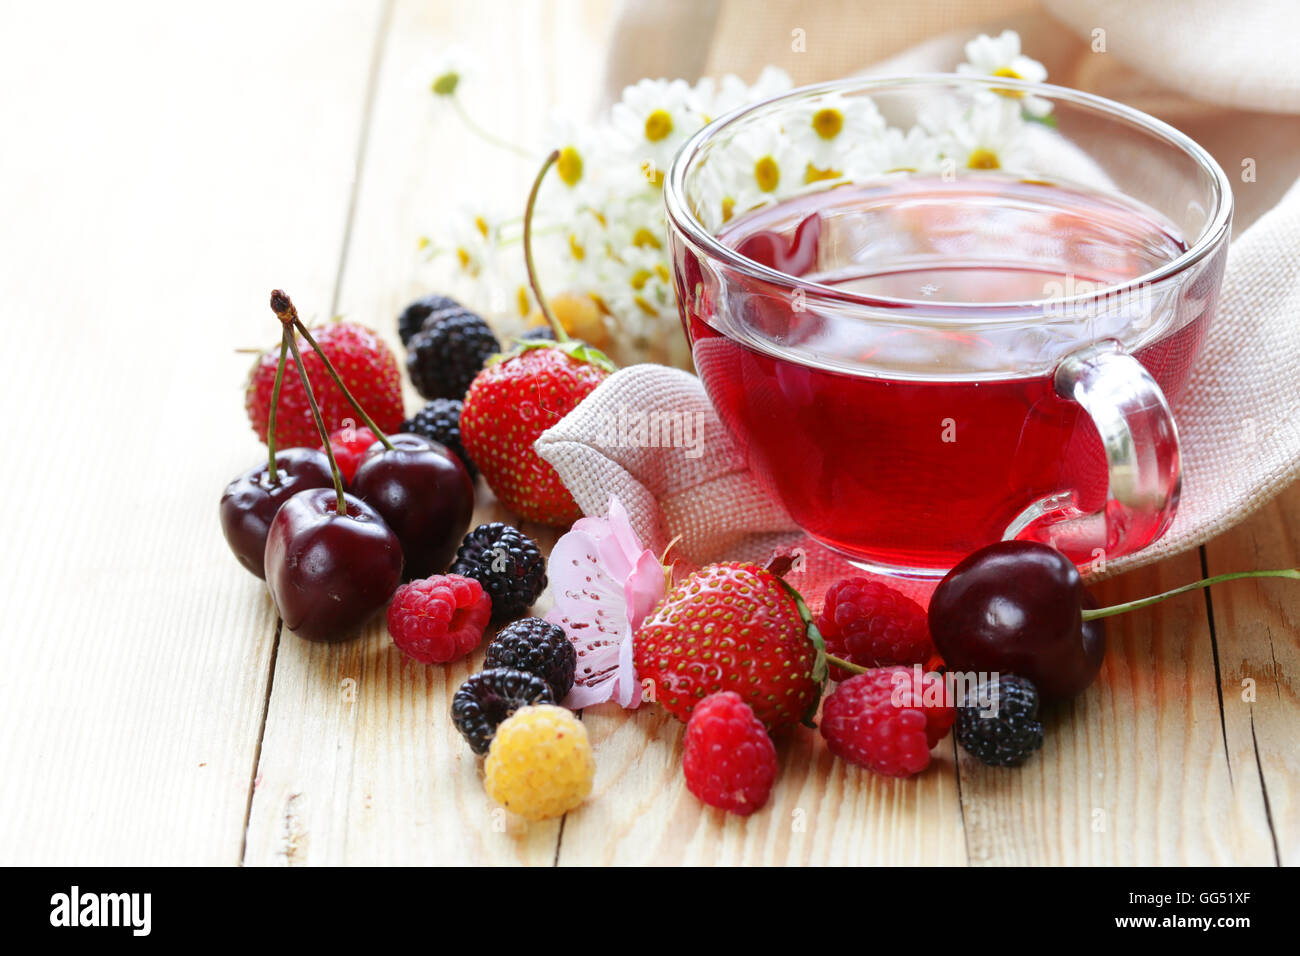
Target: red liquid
x,y
909,447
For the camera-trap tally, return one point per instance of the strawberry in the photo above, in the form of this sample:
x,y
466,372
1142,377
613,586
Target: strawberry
x,y
366,366
736,627
509,404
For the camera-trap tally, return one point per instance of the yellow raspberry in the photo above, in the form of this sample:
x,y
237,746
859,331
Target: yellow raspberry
x,y
540,763
579,315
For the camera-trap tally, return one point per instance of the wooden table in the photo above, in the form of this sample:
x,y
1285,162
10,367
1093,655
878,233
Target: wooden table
x,y
162,167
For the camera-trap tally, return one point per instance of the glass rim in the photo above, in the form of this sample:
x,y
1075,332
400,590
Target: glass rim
x,y
688,225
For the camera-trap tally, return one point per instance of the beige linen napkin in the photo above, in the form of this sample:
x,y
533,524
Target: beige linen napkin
x,y
1209,68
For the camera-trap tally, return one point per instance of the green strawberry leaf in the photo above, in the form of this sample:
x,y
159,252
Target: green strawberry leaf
x,y
576,349
820,667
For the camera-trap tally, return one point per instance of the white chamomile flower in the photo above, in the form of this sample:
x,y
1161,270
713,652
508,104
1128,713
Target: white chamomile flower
x,y
1001,56
448,69
580,177
914,151
715,99
836,132
759,166
652,120
471,241
991,135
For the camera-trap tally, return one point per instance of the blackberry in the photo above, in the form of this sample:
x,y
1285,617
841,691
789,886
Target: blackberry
x,y
507,563
1009,738
489,697
540,333
440,421
538,647
445,355
412,318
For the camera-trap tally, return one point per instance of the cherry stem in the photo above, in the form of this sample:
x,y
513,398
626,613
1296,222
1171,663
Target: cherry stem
x,y
347,393
1093,614
854,668
287,315
556,328
275,405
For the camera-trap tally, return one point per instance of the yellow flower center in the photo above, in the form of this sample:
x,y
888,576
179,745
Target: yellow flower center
x,y
446,84
463,256
983,159
481,225
1010,74
645,239
522,302
640,278
767,174
569,166
728,209
645,306
576,248
814,175
828,123
658,125
661,271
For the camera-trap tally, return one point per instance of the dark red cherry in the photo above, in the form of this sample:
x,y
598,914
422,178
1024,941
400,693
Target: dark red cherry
x,y
424,493
250,502
794,259
329,572
1015,607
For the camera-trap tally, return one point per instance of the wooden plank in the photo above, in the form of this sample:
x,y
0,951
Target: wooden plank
x,y
822,811
1134,771
160,174
1257,627
372,771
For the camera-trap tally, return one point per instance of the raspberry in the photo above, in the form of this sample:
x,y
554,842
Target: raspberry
x,y
439,619
349,446
440,421
1008,738
507,563
729,760
445,355
538,647
864,725
540,764
418,312
489,697
872,625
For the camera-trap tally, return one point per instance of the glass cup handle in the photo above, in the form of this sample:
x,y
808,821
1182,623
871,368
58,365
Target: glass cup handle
x,y
1140,440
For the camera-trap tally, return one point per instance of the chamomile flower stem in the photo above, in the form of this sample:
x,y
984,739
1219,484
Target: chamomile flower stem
x,y
556,328
347,393
490,138
275,405
1093,614
288,316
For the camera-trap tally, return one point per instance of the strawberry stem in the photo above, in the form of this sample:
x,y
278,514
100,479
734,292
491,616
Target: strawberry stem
x,y
556,328
287,315
347,393
847,665
275,405
1101,612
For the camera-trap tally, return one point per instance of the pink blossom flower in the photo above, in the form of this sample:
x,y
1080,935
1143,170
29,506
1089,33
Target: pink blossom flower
x,y
605,582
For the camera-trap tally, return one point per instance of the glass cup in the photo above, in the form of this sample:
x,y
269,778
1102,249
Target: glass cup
x,y
940,311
